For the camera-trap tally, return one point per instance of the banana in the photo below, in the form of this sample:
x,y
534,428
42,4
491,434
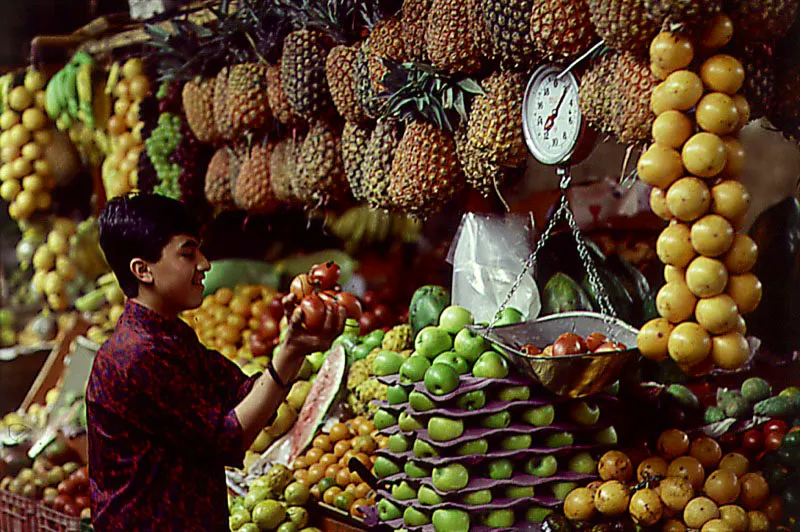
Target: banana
x,y
52,104
101,104
83,82
5,87
69,87
113,78
359,230
106,279
343,226
384,226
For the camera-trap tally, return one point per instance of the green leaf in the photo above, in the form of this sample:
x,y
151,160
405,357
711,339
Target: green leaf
x,y
471,86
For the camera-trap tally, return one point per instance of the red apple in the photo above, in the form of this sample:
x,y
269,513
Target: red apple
x,y
568,344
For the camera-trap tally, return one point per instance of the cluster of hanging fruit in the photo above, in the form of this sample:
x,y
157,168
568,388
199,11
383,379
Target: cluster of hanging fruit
x,y
693,166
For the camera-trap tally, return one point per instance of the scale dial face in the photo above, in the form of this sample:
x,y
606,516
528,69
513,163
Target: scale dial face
x,y
551,119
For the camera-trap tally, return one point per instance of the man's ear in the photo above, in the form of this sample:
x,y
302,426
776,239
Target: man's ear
x,y
141,270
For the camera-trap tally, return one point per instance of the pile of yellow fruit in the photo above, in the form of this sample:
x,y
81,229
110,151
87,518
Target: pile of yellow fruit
x,y
227,318
119,170
693,166
53,269
26,175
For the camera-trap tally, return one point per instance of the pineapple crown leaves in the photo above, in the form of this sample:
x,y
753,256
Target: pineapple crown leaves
x,y
417,91
338,19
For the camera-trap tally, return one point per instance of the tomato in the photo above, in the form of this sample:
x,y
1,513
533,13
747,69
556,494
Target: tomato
x,y
301,286
776,425
610,346
773,440
753,441
728,441
368,322
269,328
313,312
350,303
595,340
568,344
530,350
326,276
384,315
370,299
328,297
275,307
258,346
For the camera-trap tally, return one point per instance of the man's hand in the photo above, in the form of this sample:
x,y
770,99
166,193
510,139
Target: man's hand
x,y
300,342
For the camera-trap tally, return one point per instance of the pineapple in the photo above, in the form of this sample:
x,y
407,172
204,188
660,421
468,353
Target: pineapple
x,y
759,76
623,24
688,15
303,73
366,95
594,93
785,114
561,28
480,171
341,82
283,168
414,22
385,42
425,171
222,119
320,176
252,190
246,104
763,20
355,143
377,165
198,105
449,47
632,84
495,123
476,28
220,173
508,25
276,96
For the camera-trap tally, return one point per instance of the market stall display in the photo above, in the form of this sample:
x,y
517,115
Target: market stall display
x,y
654,385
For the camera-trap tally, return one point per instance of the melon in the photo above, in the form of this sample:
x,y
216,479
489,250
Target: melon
x,y
318,402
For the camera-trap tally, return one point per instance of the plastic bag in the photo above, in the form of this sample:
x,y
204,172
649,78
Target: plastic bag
x,y
487,254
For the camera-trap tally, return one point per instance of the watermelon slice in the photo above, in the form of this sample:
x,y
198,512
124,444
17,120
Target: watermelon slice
x,y
318,403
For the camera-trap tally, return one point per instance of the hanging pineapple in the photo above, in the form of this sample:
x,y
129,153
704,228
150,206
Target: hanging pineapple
x,y
693,165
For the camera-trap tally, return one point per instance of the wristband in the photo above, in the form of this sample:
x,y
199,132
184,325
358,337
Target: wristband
x,y
274,374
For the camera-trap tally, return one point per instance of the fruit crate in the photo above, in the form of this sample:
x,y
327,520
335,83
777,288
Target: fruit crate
x,y
17,513
50,520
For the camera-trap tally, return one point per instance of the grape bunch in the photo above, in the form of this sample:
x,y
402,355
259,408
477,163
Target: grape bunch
x,y
163,140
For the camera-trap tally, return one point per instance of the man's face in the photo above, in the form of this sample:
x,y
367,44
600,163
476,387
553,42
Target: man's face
x,y
178,275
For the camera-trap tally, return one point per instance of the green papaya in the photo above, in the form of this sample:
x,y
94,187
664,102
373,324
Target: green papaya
x,y
563,294
426,305
777,233
621,301
636,285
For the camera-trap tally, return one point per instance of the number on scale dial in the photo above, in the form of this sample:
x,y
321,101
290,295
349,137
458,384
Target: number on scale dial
x,y
552,118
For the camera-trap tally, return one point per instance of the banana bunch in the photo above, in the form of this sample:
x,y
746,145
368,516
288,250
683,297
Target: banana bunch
x,y
6,84
107,291
85,250
70,94
363,226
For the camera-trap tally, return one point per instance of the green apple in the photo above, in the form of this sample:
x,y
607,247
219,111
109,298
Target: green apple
x,y
383,467
514,393
399,443
413,517
537,515
559,439
477,497
491,365
582,463
469,345
384,419
413,369
444,429
316,360
473,447
499,420
584,413
396,394
454,318
388,511
403,492
516,442
432,341
441,379
407,422
450,521
542,466
474,400
607,436
427,496
499,518
387,363
509,316
414,470
454,360
450,477
541,416
561,489
500,469
420,402
423,449
519,492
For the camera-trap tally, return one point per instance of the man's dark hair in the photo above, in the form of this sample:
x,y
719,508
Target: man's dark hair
x,y
140,226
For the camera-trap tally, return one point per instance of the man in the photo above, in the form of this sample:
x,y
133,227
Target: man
x,y
165,414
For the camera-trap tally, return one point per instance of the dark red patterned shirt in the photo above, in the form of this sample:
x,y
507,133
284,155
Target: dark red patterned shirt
x,y
161,427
